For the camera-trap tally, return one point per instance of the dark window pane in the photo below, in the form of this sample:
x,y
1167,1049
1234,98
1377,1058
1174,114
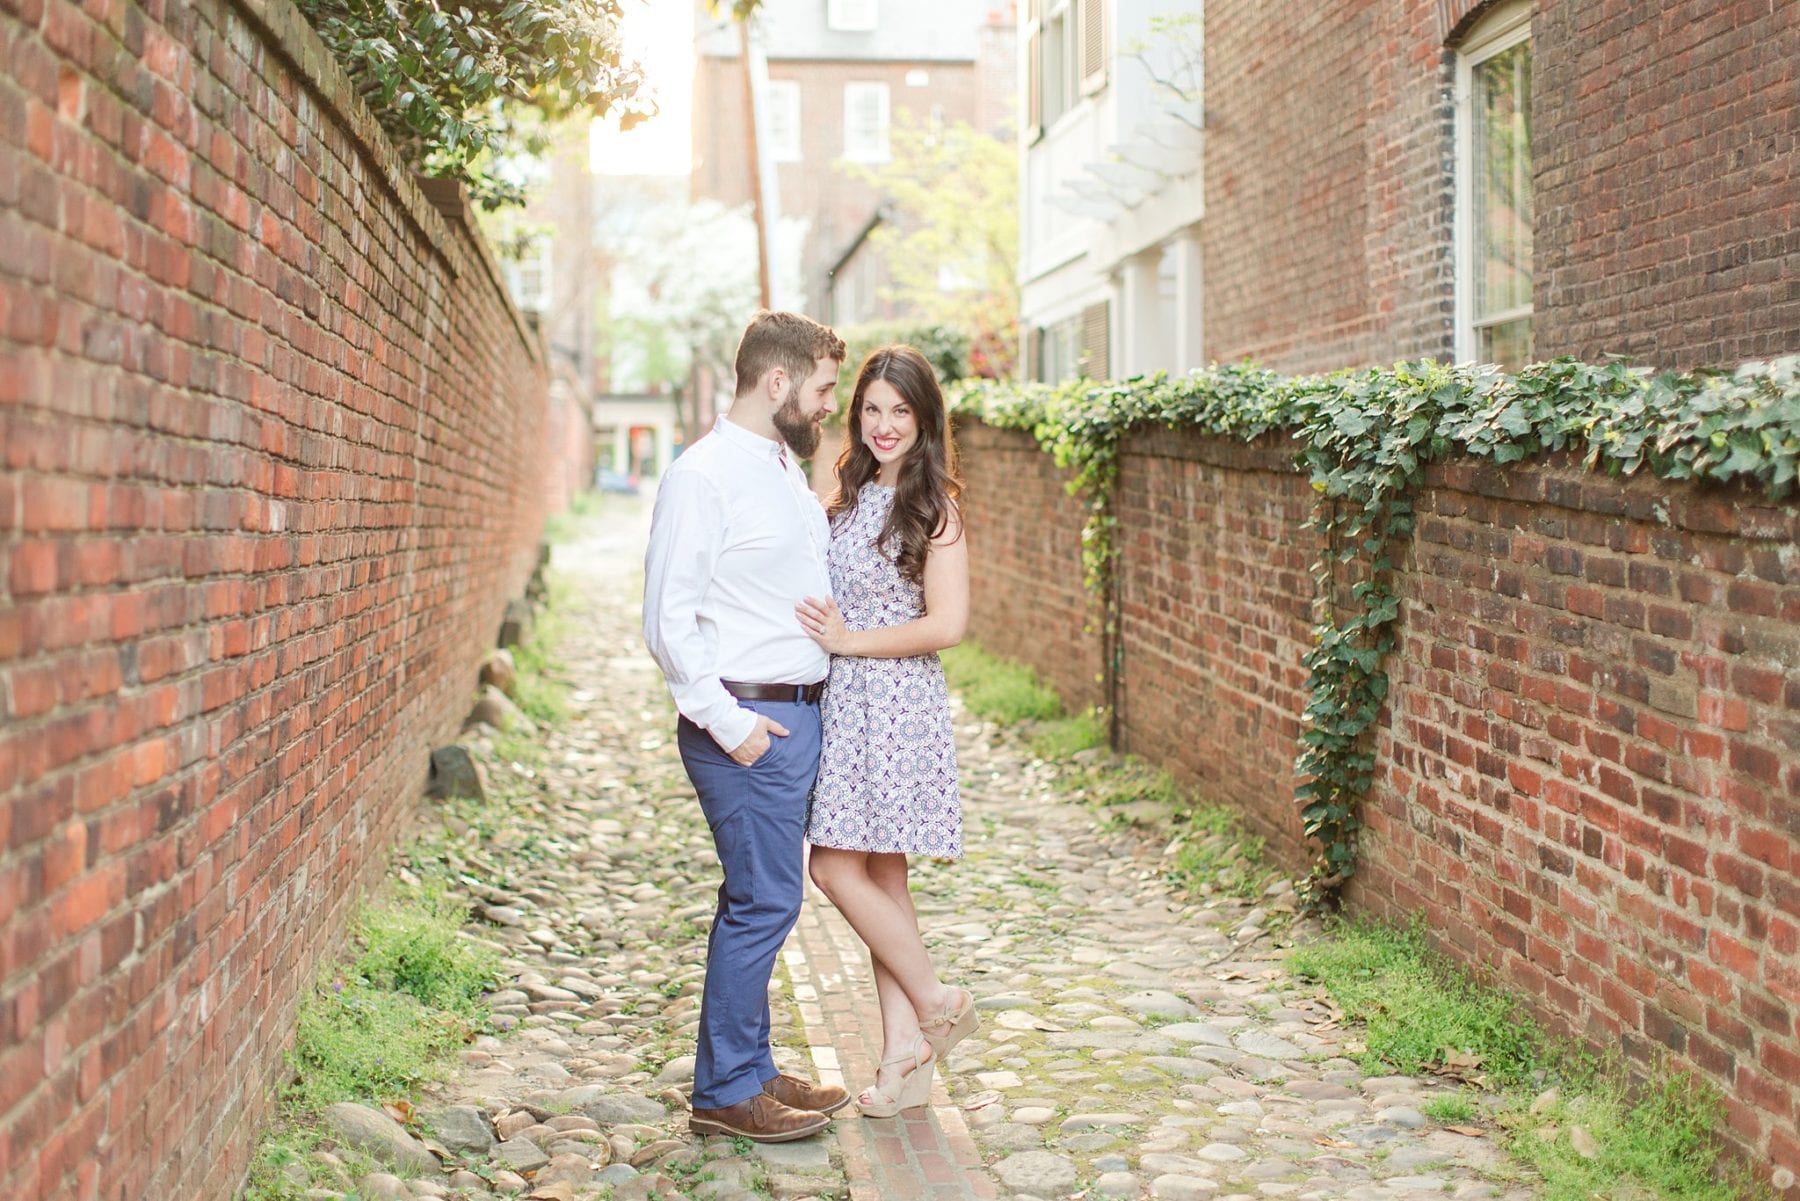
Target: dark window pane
x,y
1502,185
1508,343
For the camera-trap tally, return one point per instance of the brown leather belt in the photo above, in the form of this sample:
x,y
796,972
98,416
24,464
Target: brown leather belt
x,y
797,694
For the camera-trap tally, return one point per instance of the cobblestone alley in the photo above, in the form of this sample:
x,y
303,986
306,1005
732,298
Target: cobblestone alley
x,y
1134,1043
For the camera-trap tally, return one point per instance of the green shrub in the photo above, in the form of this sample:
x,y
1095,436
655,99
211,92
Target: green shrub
x,y
459,88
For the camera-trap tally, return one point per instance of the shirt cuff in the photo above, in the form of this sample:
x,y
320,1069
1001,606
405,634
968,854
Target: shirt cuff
x,y
731,730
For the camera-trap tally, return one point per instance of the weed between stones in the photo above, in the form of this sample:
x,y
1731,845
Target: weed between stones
x,y
1590,1134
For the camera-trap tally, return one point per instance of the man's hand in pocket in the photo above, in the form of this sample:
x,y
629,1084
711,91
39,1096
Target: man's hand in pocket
x,y
757,745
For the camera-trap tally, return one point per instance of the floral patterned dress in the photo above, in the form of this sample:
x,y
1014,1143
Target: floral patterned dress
x,y
887,769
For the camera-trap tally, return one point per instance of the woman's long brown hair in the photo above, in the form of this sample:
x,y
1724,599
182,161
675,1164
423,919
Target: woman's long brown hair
x,y
927,486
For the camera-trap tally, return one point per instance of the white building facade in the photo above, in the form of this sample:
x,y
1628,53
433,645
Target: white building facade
x,y
1110,188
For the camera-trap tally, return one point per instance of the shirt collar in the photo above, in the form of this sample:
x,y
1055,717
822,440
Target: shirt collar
x,y
737,435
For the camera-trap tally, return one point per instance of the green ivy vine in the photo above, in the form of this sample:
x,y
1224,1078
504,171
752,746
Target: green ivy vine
x,y
1365,439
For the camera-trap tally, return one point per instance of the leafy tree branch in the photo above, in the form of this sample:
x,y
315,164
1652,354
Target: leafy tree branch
x,y
462,87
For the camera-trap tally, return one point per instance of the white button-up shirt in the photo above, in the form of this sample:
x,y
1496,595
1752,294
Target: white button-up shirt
x,y
737,540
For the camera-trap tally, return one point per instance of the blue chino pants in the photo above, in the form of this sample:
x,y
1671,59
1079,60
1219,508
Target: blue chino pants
x,y
758,820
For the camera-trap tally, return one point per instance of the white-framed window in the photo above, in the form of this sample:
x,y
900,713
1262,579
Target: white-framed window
x,y
1061,351
1493,189
529,277
866,122
1056,77
1065,58
850,16
1074,346
782,116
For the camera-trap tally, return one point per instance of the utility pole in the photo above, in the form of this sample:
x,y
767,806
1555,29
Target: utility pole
x,y
754,159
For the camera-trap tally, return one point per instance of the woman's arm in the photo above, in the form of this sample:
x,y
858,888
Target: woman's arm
x,y
946,609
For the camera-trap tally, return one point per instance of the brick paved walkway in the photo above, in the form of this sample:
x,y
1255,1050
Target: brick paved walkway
x,y
927,1154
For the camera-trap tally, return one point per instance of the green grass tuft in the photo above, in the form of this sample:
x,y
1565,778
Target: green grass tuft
x,y
417,947
390,1020
1451,1108
537,690
1599,1138
283,1168
997,689
1215,853
1216,850
1126,780
567,525
392,1015
356,1042
1661,1145
1419,1008
1062,737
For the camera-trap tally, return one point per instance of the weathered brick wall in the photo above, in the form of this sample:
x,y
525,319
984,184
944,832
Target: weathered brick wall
x,y
1668,179
1214,618
569,444
1590,771
1590,760
1026,599
1327,238
270,437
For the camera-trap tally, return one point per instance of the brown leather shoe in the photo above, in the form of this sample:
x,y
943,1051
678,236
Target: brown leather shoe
x,y
804,1094
761,1119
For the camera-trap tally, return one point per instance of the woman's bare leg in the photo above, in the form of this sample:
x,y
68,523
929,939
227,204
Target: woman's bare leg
x,y
899,1018
870,891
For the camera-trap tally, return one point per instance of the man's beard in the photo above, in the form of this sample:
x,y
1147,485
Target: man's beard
x,y
799,431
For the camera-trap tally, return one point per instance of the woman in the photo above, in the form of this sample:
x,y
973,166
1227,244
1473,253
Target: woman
x,y
887,770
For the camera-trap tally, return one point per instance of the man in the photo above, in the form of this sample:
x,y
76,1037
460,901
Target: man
x,y
736,542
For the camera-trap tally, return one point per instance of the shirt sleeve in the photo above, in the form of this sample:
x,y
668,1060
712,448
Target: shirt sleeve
x,y
687,533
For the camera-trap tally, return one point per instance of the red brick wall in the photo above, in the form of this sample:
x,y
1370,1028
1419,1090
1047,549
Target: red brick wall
x,y
1668,179
1590,770
1328,198
269,439
1215,617
1026,599
1589,764
569,443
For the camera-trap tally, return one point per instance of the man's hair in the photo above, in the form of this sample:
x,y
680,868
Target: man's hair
x,y
786,340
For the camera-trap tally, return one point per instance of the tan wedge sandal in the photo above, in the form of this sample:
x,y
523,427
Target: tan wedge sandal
x,y
952,1025
914,1089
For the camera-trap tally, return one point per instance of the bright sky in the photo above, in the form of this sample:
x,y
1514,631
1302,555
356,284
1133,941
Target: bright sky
x,y
659,34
